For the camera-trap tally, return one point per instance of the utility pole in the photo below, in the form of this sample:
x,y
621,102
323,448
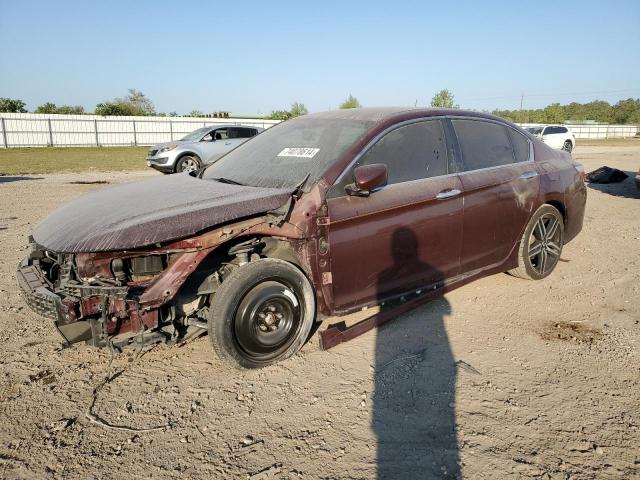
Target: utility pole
x,y
521,99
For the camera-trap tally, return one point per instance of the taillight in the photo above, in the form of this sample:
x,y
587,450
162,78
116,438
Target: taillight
x,y
580,169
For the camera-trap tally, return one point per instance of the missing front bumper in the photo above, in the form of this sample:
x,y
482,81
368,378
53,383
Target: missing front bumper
x,y
39,295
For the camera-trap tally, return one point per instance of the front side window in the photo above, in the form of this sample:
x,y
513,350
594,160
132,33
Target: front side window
x,y
483,144
411,152
221,134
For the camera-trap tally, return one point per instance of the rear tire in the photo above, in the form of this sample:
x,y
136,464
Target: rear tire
x,y
568,146
541,244
188,163
261,314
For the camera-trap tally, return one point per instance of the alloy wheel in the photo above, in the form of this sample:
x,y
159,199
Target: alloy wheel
x,y
189,164
545,243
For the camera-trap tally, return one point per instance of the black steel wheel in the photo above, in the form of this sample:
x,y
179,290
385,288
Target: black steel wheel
x,y
541,244
188,163
261,314
568,146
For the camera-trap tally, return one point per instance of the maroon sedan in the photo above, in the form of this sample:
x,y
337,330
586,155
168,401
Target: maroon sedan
x,y
321,215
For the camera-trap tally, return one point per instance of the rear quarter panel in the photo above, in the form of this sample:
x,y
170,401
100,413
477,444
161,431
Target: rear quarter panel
x,y
562,186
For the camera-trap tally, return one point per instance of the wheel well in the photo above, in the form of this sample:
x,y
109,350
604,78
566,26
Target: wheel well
x,y
560,207
184,154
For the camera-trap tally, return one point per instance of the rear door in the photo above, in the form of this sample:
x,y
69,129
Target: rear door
x,y
238,135
405,235
500,187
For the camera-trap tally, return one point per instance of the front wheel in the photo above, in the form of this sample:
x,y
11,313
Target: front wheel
x,y
568,146
261,314
541,244
188,163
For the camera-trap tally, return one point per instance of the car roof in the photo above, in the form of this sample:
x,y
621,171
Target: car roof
x,y
387,114
227,125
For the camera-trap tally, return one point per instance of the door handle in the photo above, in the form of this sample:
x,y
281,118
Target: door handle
x,y
452,192
528,175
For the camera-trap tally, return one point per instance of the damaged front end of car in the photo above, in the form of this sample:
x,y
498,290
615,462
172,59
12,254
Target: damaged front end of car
x,y
138,297
112,298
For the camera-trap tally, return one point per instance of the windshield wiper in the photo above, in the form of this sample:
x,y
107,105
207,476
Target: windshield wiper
x,y
228,180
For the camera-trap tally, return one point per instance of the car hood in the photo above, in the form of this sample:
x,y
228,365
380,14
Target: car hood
x,y
158,146
138,214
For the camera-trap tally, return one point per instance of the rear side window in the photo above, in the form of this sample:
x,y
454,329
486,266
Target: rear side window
x,y
520,145
241,132
483,144
412,152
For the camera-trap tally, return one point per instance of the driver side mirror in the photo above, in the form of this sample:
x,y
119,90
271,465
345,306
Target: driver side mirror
x,y
367,178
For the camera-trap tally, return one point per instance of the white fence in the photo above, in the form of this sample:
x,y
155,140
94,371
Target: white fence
x,y
587,131
42,130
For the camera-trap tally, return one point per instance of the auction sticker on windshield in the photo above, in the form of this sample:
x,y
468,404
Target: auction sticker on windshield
x,y
302,152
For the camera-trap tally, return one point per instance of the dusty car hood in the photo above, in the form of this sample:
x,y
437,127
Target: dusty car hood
x,y
158,146
143,213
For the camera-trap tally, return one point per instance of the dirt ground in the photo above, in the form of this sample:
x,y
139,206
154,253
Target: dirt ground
x,y
503,378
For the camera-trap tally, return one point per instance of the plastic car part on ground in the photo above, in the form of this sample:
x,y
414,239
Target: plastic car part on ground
x,y
606,175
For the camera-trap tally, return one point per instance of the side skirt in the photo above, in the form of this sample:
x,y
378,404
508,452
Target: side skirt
x,y
339,333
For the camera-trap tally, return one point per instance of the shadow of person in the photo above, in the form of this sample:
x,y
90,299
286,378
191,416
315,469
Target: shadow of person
x,y
415,377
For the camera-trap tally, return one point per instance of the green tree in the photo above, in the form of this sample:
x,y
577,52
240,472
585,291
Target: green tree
x,y
279,115
625,111
10,105
117,108
350,102
298,109
196,113
140,101
48,107
444,99
173,114
553,113
134,104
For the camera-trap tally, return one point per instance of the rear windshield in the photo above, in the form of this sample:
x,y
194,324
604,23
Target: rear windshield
x,y
283,155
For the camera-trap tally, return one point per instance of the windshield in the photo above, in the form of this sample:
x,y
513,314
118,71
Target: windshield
x,y
196,134
534,130
283,155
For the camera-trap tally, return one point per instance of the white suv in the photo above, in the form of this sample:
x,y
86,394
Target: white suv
x,y
556,136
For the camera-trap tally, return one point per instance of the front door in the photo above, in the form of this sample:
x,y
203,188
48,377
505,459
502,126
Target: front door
x,y
405,236
500,184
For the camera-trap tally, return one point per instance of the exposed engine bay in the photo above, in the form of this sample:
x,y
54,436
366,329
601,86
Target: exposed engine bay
x,y
132,298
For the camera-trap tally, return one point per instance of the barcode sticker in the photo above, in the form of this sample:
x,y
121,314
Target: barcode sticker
x,y
302,152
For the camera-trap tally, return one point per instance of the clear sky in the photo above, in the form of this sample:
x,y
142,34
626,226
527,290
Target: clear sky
x,y
253,57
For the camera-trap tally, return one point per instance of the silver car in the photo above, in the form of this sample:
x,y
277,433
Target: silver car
x,y
199,148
